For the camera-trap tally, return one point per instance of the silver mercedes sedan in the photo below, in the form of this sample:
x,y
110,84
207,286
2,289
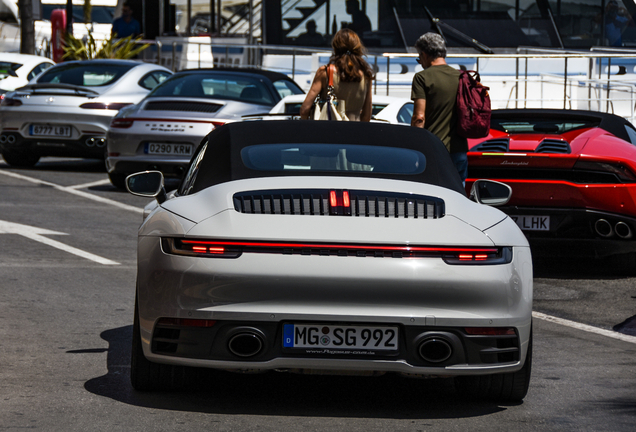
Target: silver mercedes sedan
x,y
340,248
66,110
163,130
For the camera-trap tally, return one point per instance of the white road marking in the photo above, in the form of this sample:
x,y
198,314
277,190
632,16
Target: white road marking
x,y
87,185
71,190
37,234
585,327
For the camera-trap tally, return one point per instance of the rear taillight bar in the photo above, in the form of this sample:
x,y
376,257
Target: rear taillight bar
x,y
234,249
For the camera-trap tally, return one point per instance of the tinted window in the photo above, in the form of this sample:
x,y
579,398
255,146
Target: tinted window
x,y
632,134
405,114
217,86
153,79
293,108
376,108
36,70
333,158
286,88
99,14
83,74
7,68
540,125
193,170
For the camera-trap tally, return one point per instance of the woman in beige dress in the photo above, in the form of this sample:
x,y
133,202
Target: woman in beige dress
x,y
351,79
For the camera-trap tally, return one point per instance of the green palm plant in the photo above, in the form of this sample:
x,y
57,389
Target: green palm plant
x,y
112,48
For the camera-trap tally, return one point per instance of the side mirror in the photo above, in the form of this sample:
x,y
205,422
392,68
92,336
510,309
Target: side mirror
x,y
147,184
490,192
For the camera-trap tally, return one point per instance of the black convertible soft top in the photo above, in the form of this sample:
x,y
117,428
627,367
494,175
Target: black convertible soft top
x,y
222,159
610,122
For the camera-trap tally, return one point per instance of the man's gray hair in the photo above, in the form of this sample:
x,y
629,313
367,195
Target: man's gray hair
x,y
432,45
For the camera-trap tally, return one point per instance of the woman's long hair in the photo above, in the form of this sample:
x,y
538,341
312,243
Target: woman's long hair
x,y
347,56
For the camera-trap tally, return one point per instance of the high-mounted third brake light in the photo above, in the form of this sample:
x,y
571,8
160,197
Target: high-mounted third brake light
x,y
116,106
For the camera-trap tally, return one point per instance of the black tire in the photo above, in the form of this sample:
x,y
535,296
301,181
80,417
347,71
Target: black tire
x,y
118,180
20,159
148,376
509,387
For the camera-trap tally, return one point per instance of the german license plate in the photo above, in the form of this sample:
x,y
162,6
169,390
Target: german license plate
x,y
340,337
49,130
532,223
169,149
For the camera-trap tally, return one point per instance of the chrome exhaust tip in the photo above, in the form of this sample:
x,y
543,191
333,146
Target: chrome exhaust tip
x,y
623,230
10,139
3,139
245,344
100,142
603,228
90,142
435,350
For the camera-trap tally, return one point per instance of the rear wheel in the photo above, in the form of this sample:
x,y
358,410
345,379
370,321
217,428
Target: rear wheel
x,y
509,387
118,180
148,376
20,159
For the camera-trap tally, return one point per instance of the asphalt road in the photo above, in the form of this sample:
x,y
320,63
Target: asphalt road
x,y
67,278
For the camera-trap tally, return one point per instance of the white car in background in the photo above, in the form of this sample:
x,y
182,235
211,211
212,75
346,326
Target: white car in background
x,y
162,131
389,109
16,70
66,110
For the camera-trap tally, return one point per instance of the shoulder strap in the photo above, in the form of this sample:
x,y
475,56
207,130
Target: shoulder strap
x,y
330,69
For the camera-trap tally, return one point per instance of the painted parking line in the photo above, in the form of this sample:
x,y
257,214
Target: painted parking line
x,y
37,234
585,327
91,184
538,315
73,191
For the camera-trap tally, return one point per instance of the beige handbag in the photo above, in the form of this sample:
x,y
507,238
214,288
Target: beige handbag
x,y
332,108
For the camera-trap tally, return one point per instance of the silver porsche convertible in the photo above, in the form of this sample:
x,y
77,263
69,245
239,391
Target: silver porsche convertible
x,y
316,247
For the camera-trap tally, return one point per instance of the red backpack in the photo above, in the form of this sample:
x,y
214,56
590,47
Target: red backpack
x,y
473,106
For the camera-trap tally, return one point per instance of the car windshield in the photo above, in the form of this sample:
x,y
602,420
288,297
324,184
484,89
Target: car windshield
x,y
8,69
99,14
85,74
540,125
333,158
215,86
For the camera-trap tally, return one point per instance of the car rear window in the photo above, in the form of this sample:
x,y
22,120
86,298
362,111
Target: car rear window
x,y
540,125
217,86
333,158
83,74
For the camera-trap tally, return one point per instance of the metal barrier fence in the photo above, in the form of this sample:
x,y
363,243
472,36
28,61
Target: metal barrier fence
x,y
599,80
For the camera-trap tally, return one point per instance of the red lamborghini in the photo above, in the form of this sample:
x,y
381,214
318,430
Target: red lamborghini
x,y
573,179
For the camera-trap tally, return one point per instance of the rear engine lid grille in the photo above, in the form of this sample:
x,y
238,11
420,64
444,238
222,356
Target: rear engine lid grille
x,y
325,202
183,106
493,145
554,146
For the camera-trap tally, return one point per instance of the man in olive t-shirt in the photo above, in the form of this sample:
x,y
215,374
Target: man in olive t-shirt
x,y
434,92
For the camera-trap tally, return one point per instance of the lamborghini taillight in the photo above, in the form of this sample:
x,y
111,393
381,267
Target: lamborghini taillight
x,y
618,169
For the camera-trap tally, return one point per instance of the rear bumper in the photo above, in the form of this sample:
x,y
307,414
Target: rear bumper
x,y
423,298
86,146
172,168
